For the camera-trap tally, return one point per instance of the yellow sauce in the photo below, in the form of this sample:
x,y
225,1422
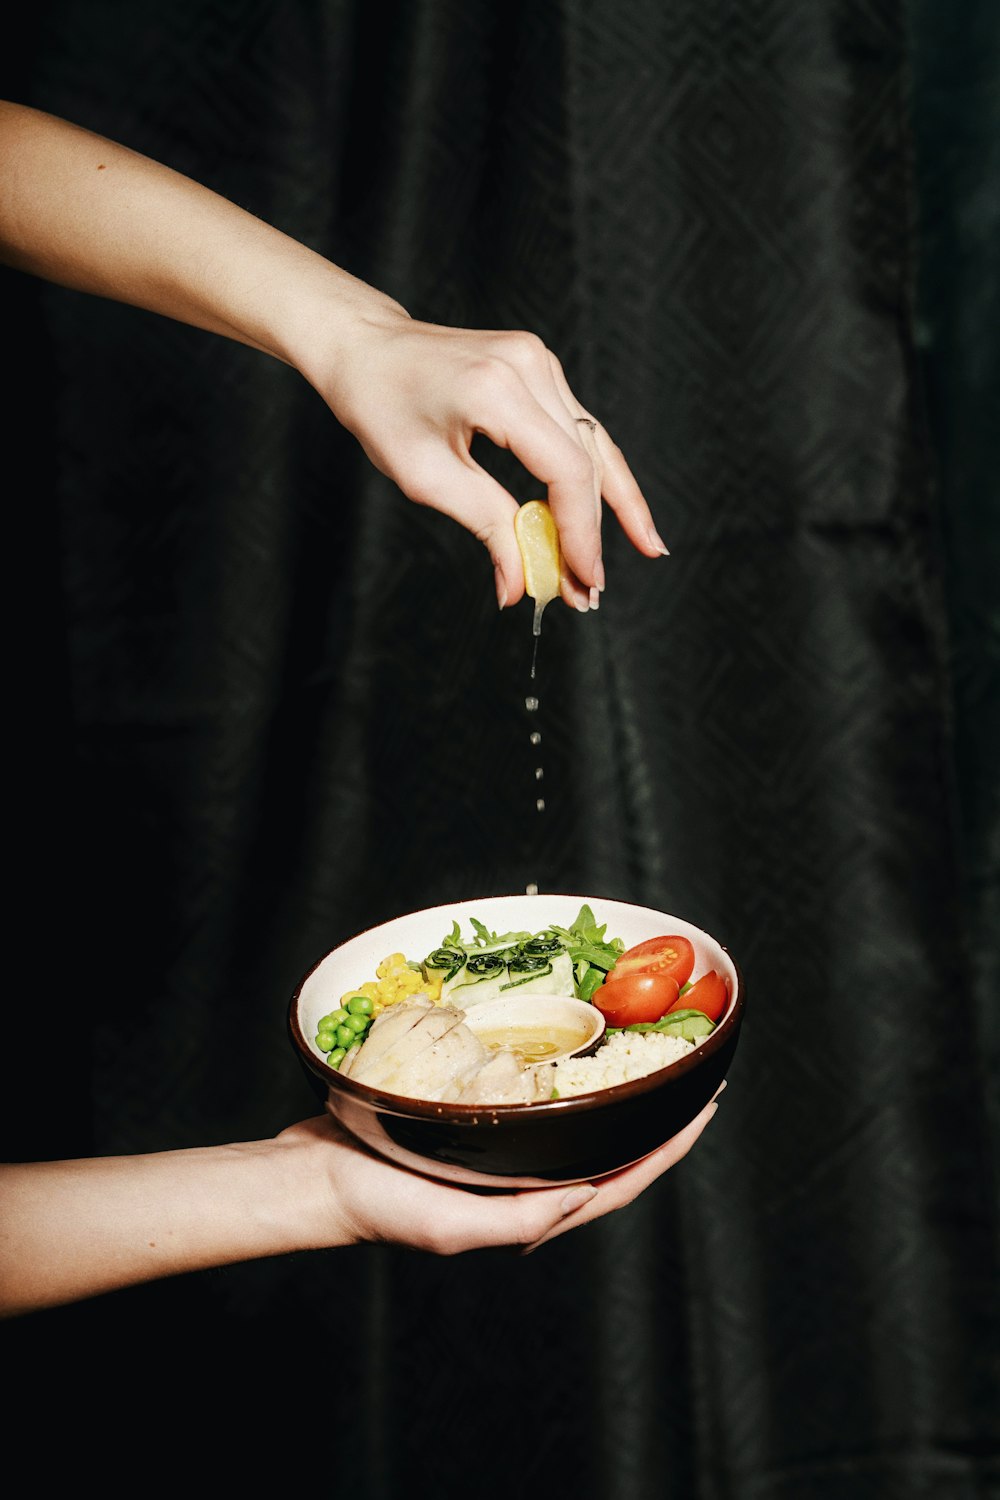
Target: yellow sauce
x,y
534,1043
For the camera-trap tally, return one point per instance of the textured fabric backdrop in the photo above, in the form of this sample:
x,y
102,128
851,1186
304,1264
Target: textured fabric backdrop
x,y
260,702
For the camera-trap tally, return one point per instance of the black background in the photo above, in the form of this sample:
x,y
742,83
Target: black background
x,y
257,702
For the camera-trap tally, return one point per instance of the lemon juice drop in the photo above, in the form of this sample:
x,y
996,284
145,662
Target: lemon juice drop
x,y
538,539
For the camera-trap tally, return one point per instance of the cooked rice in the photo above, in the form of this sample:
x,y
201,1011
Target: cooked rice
x,y
624,1056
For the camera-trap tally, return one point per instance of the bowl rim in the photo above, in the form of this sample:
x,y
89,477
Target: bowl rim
x,y
405,1106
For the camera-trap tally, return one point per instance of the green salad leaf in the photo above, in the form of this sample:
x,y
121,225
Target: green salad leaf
x,y
692,1025
584,940
484,938
453,939
592,954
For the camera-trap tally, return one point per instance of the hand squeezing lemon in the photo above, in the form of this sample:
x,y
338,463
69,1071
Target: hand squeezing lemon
x,y
538,538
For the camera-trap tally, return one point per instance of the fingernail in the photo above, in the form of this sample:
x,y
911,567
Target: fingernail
x,y
583,605
501,589
585,1193
658,542
595,598
724,1084
599,575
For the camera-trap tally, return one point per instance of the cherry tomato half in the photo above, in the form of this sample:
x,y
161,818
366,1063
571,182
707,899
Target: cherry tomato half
x,y
636,998
709,994
673,956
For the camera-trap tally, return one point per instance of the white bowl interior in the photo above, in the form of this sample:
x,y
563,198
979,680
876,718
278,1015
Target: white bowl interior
x,y
419,933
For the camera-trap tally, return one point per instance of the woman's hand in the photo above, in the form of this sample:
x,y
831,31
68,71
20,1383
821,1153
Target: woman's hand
x,y
416,394
368,1199
75,1229
91,214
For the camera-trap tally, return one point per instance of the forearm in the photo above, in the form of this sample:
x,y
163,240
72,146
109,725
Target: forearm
x,y
90,214
78,209
73,1229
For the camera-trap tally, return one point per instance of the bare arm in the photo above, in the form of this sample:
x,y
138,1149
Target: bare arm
x,y
75,1229
87,213
84,212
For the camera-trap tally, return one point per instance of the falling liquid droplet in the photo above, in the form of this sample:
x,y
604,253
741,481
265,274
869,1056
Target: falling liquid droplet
x,y
531,704
531,889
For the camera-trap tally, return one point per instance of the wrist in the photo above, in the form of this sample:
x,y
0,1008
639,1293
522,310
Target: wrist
x,y
304,1164
322,318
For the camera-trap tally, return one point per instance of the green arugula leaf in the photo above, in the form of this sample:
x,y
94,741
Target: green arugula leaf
x,y
454,937
591,952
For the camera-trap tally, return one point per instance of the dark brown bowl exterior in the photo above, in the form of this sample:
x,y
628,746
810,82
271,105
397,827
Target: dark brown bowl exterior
x,y
531,1145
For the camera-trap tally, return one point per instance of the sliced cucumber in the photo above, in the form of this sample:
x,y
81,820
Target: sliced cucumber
x,y
466,988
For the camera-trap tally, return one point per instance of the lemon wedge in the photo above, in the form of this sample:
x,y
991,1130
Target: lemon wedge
x,y
538,538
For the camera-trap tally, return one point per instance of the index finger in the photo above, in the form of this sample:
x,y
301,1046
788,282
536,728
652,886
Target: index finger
x,y
561,463
617,484
623,1187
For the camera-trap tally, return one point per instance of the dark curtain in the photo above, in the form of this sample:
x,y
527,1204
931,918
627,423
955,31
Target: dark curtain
x,y
257,701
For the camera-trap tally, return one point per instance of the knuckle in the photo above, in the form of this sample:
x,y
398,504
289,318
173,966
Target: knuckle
x,y
555,365
490,373
488,528
579,468
528,1225
526,350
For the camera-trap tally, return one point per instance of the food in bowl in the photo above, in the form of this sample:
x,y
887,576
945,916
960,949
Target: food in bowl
x,y
425,1051
443,1029
567,1139
502,1052
624,1056
539,1028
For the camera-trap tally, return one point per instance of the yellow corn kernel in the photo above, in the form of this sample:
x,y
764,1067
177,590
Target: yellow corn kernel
x,y
369,988
387,965
396,981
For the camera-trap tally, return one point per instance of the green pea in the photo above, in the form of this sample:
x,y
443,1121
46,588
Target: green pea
x,y
345,1036
360,1005
335,1017
325,1040
336,1057
358,1024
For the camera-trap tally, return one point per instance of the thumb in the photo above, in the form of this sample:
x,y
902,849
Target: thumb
x,y
508,570
470,496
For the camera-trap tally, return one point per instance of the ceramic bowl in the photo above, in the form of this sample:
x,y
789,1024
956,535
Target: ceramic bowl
x,y
574,1139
